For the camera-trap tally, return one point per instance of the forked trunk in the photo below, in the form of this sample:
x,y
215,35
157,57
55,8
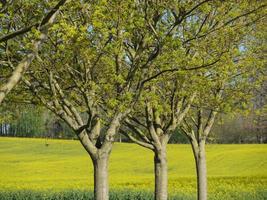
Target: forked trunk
x,y
161,175
101,187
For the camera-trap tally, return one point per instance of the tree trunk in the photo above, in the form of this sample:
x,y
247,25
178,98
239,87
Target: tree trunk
x,y
202,172
161,174
260,138
101,189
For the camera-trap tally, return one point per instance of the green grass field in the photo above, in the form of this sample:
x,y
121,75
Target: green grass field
x,y
235,171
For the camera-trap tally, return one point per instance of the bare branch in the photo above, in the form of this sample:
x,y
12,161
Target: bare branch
x,y
135,140
137,131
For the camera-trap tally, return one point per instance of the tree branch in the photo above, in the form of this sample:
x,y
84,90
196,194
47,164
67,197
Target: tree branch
x,y
25,63
45,21
135,140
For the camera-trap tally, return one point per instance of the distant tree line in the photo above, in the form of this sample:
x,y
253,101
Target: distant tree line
x,y
35,121
251,128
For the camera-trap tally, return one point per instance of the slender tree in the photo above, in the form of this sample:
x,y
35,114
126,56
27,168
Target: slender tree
x,y
153,126
227,88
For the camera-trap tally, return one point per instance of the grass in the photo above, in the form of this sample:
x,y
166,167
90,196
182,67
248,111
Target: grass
x,y
63,167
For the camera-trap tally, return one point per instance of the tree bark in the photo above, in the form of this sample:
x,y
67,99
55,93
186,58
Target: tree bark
x,y
24,64
101,188
201,172
161,174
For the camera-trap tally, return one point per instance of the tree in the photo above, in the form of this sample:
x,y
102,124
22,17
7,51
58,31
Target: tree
x,y
205,39
7,12
260,106
259,117
227,88
93,70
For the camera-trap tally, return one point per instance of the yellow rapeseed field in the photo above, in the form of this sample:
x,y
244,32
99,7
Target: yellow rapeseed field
x,y
32,165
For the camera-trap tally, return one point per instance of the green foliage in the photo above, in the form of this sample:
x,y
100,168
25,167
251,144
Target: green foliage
x,y
107,39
